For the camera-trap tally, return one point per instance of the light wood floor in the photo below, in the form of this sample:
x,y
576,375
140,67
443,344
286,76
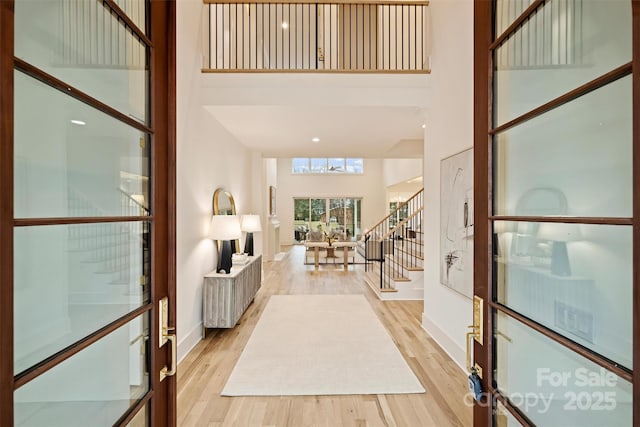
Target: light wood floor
x,y
203,373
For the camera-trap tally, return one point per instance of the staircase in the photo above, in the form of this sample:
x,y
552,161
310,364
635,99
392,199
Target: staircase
x,y
394,252
112,259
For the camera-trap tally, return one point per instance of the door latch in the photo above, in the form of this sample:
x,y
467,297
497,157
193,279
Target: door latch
x,y
475,334
167,334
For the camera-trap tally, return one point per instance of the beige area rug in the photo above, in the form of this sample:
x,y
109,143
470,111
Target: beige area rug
x,y
320,345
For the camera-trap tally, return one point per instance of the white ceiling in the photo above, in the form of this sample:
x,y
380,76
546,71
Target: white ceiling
x,y
344,131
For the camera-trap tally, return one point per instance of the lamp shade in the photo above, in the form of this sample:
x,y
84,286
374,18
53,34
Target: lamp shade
x,y
225,227
559,232
250,223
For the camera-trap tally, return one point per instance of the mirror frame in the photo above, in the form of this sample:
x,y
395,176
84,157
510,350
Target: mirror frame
x,y
221,192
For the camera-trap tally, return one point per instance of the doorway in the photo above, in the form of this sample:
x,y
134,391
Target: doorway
x,y
554,336
87,220
331,215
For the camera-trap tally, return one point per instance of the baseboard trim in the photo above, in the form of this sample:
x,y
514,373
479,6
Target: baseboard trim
x,y
446,343
190,340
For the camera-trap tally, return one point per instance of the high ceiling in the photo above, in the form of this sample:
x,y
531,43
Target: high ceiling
x,y
353,116
344,131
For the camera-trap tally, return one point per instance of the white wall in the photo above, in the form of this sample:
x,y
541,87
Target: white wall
x,y
396,171
269,179
208,157
369,186
449,130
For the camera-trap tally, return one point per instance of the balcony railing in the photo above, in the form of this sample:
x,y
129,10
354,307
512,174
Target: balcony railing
x,y
311,36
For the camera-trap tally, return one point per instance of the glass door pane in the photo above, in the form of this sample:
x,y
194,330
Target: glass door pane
x,y
82,211
318,214
344,216
77,161
87,276
85,35
357,218
557,386
573,278
562,46
561,197
93,387
349,220
336,216
301,219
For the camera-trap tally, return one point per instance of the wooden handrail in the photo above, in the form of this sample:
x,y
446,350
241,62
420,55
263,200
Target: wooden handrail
x,y
401,223
307,71
353,2
128,196
394,212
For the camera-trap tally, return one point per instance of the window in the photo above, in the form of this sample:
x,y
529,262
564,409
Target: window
x,y
318,165
336,165
304,165
329,215
355,166
300,165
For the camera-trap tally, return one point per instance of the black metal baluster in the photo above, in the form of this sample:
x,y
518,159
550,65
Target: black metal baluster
x,y
330,37
309,36
216,35
402,40
343,41
350,37
389,34
422,36
415,37
363,37
270,36
374,49
395,24
243,37
356,27
289,33
236,32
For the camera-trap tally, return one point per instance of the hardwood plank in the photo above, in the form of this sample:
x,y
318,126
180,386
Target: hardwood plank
x,y
204,371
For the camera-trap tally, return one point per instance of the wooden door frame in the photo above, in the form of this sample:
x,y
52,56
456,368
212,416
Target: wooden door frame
x,y
484,38
635,60
162,86
162,16
482,244
6,210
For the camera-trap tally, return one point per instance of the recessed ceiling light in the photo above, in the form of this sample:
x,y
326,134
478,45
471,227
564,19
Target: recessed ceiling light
x,y
315,139
78,122
424,126
285,25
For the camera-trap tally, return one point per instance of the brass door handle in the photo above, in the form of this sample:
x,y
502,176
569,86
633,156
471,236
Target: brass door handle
x,y
475,334
166,371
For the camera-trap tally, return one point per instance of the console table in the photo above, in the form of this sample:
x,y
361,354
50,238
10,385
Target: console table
x,y
225,297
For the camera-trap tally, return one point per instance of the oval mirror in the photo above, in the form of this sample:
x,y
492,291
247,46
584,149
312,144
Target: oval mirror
x,y
223,204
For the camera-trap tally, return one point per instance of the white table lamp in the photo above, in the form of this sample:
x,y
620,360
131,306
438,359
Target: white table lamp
x,y
559,234
250,224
